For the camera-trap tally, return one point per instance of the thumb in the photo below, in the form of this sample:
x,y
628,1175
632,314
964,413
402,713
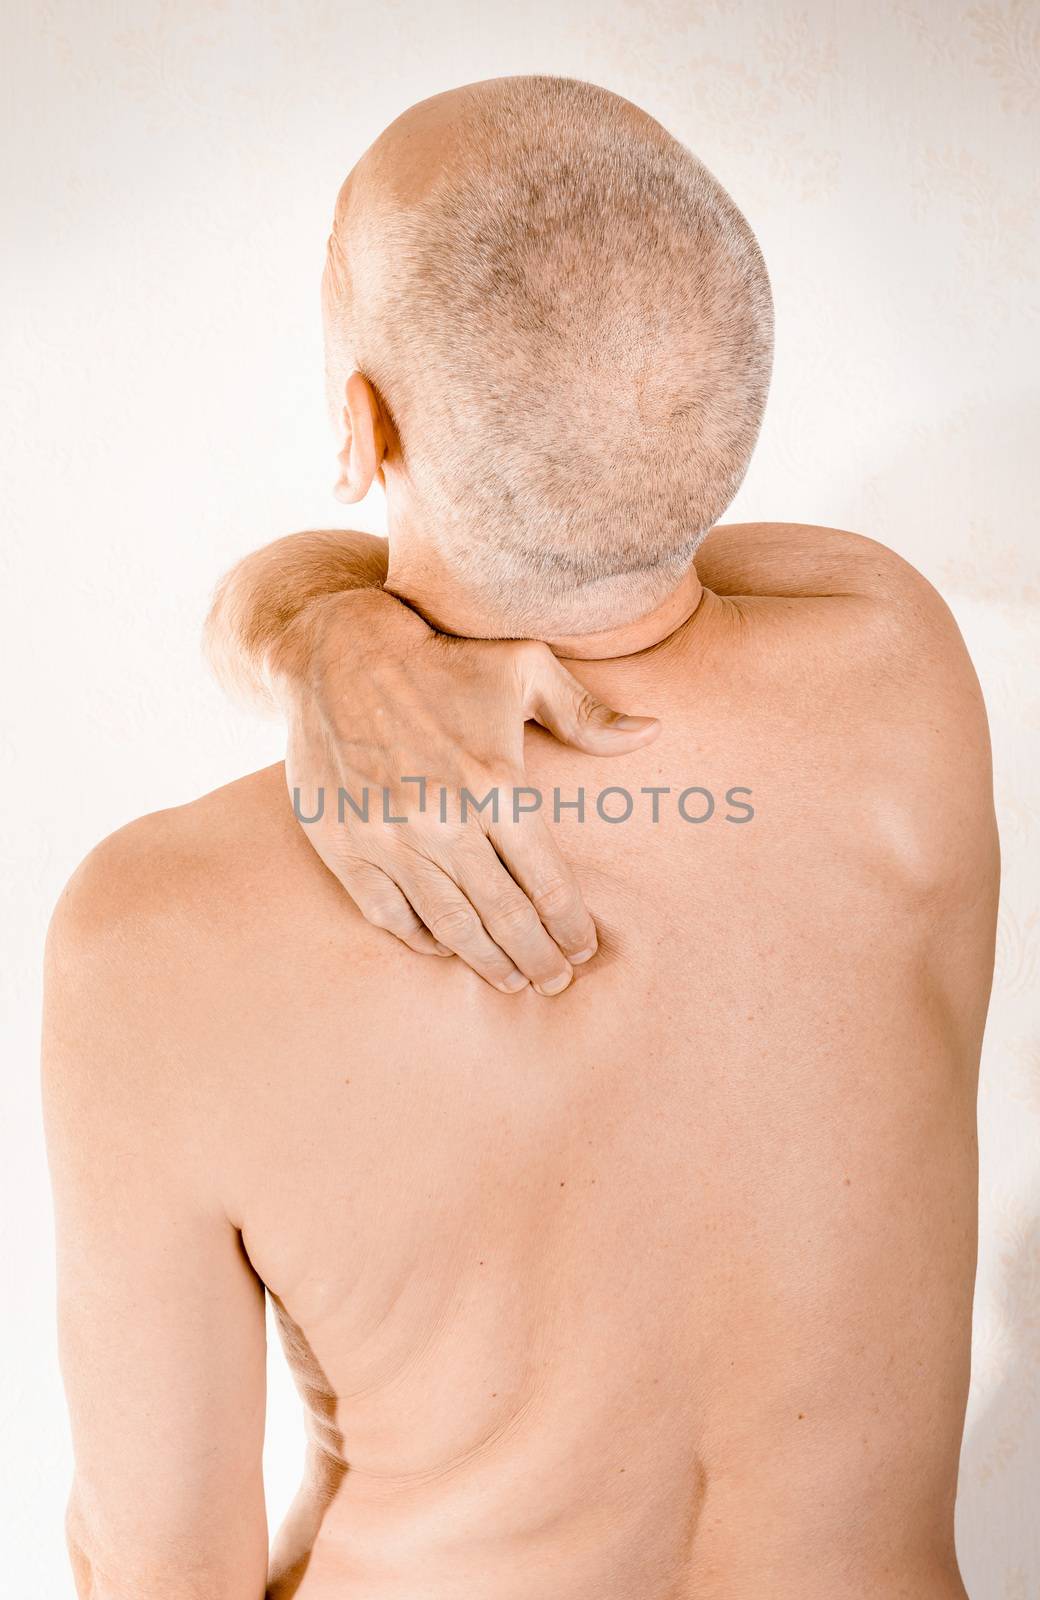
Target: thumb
x,y
575,717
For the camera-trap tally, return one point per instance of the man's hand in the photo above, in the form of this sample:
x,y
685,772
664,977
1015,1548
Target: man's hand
x,y
390,706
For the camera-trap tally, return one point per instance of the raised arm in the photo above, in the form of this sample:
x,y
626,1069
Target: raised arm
x,y
376,701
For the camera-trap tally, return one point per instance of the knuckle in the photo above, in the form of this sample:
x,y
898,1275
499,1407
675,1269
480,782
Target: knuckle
x,y
586,706
391,917
454,924
556,898
532,655
511,918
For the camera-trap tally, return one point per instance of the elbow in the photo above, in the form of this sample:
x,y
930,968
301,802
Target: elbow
x,y
106,1567
234,642
77,1543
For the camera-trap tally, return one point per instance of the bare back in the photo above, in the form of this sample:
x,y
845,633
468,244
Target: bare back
x,y
662,1288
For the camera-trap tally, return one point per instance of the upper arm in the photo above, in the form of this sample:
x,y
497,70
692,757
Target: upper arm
x,y
161,1316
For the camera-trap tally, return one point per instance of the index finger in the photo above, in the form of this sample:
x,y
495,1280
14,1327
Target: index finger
x,y
529,853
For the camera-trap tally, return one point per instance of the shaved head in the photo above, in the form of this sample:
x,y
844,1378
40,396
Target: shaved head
x,y
569,326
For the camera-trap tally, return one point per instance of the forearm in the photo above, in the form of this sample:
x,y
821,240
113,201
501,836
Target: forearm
x,y
271,611
267,609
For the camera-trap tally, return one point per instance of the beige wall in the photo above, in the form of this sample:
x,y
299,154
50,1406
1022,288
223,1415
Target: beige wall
x,y
170,169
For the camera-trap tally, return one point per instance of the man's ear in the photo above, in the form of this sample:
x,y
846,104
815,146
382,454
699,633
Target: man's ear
x,y
365,442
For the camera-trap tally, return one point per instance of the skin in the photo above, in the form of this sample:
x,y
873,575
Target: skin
x,y
516,915
411,159
459,706
662,1288
316,626
306,621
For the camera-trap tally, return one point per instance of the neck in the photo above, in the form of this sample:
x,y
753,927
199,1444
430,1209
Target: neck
x,y
417,575
631,637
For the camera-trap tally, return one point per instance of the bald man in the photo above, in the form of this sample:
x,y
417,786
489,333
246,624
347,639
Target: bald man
x,y
657,1283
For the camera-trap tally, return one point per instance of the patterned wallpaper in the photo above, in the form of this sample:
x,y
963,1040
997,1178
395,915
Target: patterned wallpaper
x,y
170,170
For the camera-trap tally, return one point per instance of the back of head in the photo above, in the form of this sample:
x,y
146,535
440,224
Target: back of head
x,y
569,323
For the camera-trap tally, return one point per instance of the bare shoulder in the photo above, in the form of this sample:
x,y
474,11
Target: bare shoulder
x,y
867,652
159,946
158,891
871,607
799,559
149,967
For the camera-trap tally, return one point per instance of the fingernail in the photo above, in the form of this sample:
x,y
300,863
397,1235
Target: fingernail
x,y
554,985
582,955
514,983
626,724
